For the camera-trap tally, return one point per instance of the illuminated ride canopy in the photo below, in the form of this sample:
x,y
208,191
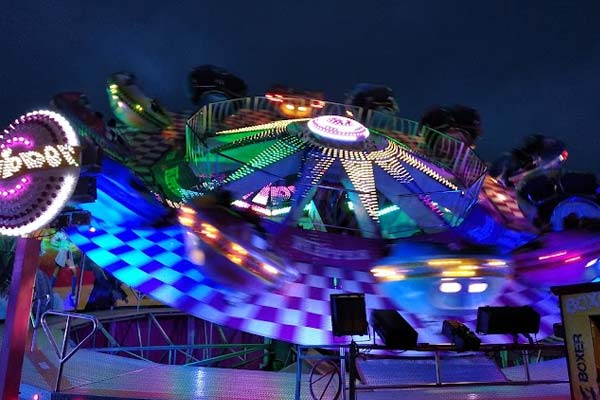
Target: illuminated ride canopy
x,y
329,173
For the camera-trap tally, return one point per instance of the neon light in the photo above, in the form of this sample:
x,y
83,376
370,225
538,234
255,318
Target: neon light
x,y
568,260
238,249
339,128
458,273
441,263
388,210
591,263
496,263
450,287
553,255
270,269
478,287
277,97
17,189
388,273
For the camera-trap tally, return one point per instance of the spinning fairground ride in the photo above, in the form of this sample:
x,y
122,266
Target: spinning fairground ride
x,y
253,211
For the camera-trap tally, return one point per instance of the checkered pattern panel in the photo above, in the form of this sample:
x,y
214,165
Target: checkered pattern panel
x,y
154,263
501,202
149,148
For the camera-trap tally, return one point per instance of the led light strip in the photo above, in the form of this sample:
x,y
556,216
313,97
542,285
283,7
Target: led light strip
x,y
276,152
362,178
276,125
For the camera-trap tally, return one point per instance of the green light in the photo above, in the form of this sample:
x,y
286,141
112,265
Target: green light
x,y
276,152
388,210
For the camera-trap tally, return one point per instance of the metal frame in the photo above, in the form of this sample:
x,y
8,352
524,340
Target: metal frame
x,y
353,350
211,352
443,149
63,355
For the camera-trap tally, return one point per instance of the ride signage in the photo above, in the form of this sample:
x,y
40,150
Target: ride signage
x,y
39,168
40,158
580,310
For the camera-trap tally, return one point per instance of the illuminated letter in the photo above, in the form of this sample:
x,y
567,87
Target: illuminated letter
x,y
67,152
11,165
52,156
33,159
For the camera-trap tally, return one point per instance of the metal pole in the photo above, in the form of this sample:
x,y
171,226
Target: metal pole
x,y
352,371
298,371
17,316
81,271
63,351
343,370
438,375
526,365
35,324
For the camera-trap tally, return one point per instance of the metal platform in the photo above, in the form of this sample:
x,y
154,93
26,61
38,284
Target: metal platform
x,y
93,375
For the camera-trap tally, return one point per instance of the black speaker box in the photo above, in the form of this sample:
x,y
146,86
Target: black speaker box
x,y
395,332
462,337
558,330
348,314
506,320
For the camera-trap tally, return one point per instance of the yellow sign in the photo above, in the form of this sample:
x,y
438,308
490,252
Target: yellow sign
x,y
62,155
580,308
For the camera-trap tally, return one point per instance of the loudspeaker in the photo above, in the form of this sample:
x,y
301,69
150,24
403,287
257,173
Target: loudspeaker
x,y
463,338
348,314
559,330
511,320
393,329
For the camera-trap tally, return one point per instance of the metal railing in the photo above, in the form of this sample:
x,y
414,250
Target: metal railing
x,y
346,371
440,148
61,352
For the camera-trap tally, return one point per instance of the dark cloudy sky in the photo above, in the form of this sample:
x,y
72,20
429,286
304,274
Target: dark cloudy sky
x,y
527,66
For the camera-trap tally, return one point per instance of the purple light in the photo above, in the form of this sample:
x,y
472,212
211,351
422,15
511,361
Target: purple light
x,y
18,141
17,189
338,128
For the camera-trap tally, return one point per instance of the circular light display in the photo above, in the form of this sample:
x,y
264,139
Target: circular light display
x,y
338,128
39,168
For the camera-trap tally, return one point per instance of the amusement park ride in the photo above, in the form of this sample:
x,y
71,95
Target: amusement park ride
x,y
253,211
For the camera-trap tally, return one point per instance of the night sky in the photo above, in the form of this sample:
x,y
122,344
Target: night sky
x,y
527,66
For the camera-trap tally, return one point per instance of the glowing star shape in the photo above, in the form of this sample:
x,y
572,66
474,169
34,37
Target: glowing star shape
x,y
39,168
338,128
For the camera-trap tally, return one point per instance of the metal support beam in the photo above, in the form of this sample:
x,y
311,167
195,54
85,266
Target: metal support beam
x,y
17,316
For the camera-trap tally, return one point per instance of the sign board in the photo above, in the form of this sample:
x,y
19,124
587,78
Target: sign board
x,y
580,309
40,159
